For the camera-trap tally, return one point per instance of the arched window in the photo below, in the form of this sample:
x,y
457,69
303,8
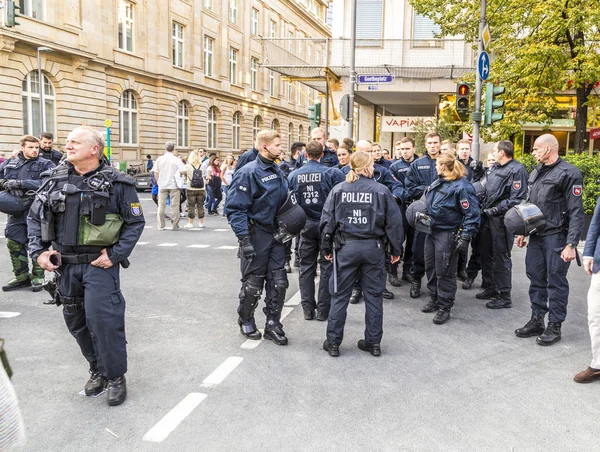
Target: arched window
x,y
183,124
275,125
128,118
235,131
300,133
290,134
31,105
256,128
212,128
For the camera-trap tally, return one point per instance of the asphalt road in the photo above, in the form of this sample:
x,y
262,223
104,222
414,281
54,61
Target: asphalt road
x,y
195,384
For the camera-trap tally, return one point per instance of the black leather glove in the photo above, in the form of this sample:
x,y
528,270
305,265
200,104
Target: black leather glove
x,y
14,187
476,165
246,249
326,246
3,184
463,245
491,212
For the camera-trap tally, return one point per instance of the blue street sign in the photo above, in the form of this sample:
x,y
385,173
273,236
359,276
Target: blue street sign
x,y
371,79
483,65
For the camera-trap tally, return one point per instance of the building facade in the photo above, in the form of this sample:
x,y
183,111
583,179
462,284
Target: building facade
x,y
186,71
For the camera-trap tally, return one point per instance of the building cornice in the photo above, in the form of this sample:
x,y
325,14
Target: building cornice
x,y
309,17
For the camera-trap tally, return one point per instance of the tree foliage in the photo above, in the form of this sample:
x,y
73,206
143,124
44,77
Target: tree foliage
x,y
539,48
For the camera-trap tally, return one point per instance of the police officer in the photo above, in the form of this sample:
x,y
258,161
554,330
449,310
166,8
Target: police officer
x,y
312,183
20,176
256,193
420,175
454,213
505,187
379,158
329,157
46,151
555,187
343,154
406,150
245,158
90,214
358,216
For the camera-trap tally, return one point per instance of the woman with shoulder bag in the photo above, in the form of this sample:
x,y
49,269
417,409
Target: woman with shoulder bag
x,y
196,192
213,173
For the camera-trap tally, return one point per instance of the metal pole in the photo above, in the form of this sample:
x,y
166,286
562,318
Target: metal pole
x,y
477,111
352,70
41,87
327,94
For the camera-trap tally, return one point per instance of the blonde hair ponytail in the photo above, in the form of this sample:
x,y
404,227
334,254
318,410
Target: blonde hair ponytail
x,y
456,168
359,161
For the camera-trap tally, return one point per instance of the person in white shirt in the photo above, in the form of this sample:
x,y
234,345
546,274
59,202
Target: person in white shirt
x,y
165,169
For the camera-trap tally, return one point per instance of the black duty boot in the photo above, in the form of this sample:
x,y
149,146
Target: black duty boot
x,y
332,349
394,280
373,349
387,294
249,329
534,327
274,332
503,301
117,391
356,296
431,305
550,335
407,277
322,316
415,288
96,384
487,294
462,275
467,284
441,317
309,314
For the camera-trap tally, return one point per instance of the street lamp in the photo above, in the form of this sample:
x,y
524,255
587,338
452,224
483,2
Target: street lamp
x,y
41,86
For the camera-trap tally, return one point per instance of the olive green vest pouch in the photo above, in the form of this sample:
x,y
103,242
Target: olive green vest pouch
x,y
100,235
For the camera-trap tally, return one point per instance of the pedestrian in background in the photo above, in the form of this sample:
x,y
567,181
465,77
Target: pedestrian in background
x,y
196,191
149,163
165,169
227,171
213,186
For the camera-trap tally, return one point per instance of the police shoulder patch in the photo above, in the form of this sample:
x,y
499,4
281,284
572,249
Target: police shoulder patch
x,y
464,203
517,184
577,190
136,209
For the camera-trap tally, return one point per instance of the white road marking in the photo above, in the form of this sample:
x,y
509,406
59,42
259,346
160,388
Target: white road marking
x,y
198,246
252,343
227,247
8,315
221,372
220,230
142,243
173,418
148,227
295,300
167,244
285,312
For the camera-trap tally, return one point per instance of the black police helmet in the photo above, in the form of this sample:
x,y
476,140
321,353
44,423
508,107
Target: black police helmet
x,y
11,204
411,211
291,219
524,219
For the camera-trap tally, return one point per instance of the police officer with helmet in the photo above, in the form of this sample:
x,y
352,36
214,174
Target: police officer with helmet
x,y
256,194
312,183
454,217
90,215
555,186
505,187
358,216
19,177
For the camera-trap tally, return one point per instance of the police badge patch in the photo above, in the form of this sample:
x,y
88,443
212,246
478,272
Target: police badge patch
x,y
464,203
136,209
577,190
517,184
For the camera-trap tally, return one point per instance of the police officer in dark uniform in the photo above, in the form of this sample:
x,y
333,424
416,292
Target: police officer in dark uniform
x,y
256,193
506,186
406,149
46,151
358,216
20,176
312,183
454,217
245,158
90,214
379,158
555,187
329,157
420,175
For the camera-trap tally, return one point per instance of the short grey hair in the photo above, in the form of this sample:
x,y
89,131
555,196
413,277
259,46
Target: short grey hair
x,y
169,146
93,137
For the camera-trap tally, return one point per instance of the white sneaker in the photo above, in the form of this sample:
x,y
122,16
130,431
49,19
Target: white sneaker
x,y
201,226
189,226
161,229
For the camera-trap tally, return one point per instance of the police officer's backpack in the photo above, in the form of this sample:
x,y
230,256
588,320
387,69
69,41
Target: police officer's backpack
x,y
197,178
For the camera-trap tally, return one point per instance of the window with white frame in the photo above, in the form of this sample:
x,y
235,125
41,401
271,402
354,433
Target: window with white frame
x,y
233,54
233,11
290,134
254,74
254,26
275,125
290,41
235,132
183,124
208,4
271,84
31,105
290,92
209,44
309,94
211,136
299,94
32,8
126,26
272,29
128,118
256,123
425,29
177,40
370,25
300,133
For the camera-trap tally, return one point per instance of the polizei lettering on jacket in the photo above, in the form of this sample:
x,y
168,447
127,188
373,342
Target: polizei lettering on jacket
x,y
268,178
308,178
357,197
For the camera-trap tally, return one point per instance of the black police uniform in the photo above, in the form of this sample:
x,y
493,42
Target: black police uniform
x,y
245,158
329,158
93,305
359,217
286,167
53,155
312,184
505,187
256,193
453,209
384,162
26,175
420,175
556,189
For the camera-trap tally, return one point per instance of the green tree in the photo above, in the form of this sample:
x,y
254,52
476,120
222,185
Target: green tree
x,y
539,48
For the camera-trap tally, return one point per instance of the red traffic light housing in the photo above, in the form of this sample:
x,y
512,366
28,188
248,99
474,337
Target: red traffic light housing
x,y
462,97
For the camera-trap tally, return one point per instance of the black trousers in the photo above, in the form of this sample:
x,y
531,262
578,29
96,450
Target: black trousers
x,y
547,273
497,244
364,259
418,257
99,329
474,266
441,280
309,258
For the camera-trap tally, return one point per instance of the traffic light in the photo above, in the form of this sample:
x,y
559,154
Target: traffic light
x,y
11,14
462,97
314,115
492,103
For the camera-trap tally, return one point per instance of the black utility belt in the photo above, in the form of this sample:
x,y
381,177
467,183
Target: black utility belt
x,y
85,258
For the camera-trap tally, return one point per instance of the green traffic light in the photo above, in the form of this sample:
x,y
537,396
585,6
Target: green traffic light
x,y
492,103
11,14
